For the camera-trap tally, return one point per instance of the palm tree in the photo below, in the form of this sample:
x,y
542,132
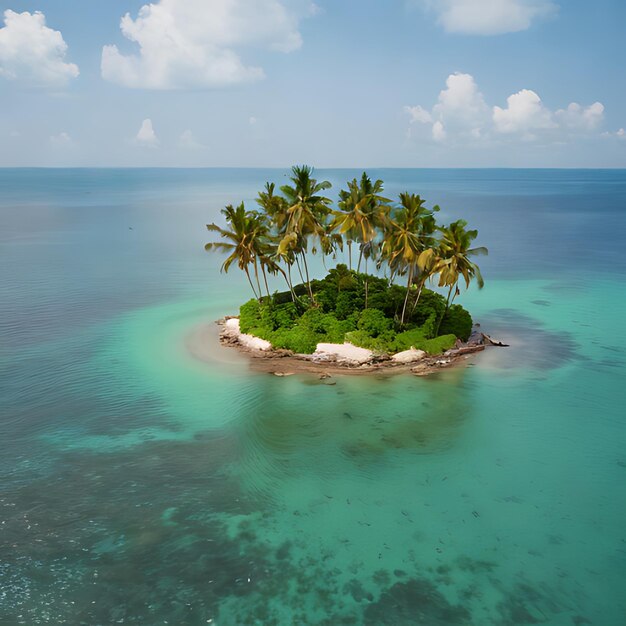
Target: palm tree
x,y
273,205
244,241
275,209
407,235
305,216
363,211
330,242
452,260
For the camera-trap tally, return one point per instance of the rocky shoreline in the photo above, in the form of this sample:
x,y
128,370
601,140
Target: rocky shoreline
x,y
331,359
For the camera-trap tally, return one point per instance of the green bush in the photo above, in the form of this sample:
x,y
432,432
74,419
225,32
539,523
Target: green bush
x,y
261,319
297,339
250,316
347,303
410,338
340,316
282,297
373,322
439,344
457,321
430,307
385,342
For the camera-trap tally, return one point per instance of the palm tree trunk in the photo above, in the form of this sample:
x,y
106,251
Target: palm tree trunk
x,y
251,285
288,281
419,293
366,283
300,270
349,255
308,280
256,275
445,310
358,267
408,291
267,289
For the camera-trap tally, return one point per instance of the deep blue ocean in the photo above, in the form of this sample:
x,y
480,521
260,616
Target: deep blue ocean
x,y
148,479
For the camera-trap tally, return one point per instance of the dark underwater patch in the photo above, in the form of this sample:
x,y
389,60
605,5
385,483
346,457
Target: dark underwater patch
x,y
417,601
532,345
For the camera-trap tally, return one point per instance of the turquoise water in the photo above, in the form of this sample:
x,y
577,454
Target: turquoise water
x,y
143,485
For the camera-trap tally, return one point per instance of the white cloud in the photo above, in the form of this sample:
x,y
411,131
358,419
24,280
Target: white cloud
x,y
621,133
146,135
525,113
461,104
581,118
462,115
196,43
438,131
489,17
32,53
460,109
418,114
252,120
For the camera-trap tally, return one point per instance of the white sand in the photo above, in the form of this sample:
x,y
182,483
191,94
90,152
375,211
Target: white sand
x,y
342,352
408,356
232,324
231,328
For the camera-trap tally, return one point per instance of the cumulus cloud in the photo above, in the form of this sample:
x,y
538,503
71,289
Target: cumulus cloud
x,y
146,135
418,114
621,133
461,114
460,109
524,113
32,53
578,117
197,43
438,131
461,106
488,17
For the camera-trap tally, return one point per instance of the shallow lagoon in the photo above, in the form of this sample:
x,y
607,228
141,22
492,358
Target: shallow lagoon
x,y
141,485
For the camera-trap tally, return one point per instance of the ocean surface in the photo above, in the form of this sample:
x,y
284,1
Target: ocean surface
x,y
140,485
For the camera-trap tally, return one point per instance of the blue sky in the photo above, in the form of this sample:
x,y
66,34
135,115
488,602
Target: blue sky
x,y
338,83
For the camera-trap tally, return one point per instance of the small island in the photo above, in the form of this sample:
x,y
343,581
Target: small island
x,y
373,313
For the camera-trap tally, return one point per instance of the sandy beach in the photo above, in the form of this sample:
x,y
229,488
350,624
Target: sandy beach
x,y
223,342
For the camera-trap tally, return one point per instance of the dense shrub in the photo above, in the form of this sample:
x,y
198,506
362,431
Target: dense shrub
x,y
347,303
391,342
374,322
255,317
457,321
250,317
384,342
439,344
341,316
429,309
297,339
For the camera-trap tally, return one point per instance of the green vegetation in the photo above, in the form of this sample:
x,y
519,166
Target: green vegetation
x,y
402,241
340,315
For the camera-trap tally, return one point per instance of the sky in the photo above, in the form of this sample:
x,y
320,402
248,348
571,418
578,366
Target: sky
x,y
332,83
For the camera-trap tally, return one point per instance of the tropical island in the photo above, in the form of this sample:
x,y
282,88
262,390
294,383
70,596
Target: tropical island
x,y
374,312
